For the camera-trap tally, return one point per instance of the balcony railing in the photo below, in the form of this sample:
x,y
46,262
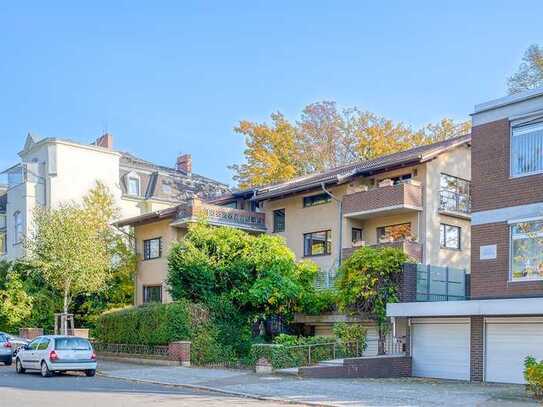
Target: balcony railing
x,y
411,248
427,283
224,216
403,196
450,201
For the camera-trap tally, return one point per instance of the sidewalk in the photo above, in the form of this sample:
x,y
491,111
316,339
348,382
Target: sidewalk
x,y
328,392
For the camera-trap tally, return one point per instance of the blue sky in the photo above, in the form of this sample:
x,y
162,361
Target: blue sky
x,y
169,77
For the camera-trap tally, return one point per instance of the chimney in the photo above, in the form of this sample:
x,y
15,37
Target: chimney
x,y
105,141
184,164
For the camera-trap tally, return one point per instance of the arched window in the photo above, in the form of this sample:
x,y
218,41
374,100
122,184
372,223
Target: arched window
x,y
18,226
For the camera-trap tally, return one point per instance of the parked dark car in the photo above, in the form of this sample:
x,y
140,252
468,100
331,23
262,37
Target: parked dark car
x,y
6,350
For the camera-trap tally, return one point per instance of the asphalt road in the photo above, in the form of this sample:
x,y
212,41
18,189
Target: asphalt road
x,y
32,390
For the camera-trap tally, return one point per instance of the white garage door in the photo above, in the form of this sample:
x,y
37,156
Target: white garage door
x,y
508,342
440,348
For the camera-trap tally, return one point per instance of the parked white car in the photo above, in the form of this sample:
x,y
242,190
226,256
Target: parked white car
x,y
55,353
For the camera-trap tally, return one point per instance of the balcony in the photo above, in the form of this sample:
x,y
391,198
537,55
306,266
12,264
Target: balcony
x,y
411,248
427,283
222,216
389,199
454,204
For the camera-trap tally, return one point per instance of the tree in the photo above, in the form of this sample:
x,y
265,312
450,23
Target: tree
x,y
70,245
530,71
258,274
367,281
271,154
326,137
15,303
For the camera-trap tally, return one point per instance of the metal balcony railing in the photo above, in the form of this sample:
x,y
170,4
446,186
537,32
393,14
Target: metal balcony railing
x,y
450,201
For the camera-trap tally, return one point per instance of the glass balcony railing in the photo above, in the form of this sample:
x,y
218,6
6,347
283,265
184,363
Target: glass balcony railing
x,y
435,283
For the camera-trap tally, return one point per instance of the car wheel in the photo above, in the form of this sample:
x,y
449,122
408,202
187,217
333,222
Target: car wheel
x,y
19,366
9,362
45,372
90,373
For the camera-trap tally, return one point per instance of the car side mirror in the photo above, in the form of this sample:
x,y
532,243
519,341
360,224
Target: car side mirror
x,y
26,347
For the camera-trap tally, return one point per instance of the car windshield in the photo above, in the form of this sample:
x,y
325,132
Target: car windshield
x,y
72,344
3,338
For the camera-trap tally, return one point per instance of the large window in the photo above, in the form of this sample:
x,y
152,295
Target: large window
x,y
152,293
152,248
454,194
394,233
2,221
318,243
527,251
18,227
316,199
278,220
449,236
527,149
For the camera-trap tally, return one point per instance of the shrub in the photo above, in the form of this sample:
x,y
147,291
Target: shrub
x,y
153,324
533,373
319,301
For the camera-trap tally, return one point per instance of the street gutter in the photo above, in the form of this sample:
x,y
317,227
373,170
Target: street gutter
x,y
217,390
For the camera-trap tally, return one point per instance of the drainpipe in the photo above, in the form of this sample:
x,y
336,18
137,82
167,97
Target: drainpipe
x,y
340,206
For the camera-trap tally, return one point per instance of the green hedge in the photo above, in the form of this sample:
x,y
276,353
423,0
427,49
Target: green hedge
x,y
153,324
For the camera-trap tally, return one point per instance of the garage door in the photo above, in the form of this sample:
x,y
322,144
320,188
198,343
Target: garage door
x,y
440,348
508,342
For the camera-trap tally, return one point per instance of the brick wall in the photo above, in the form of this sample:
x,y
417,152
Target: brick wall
x,y
180,351
408,284
490,278
477,349
492,187
369,367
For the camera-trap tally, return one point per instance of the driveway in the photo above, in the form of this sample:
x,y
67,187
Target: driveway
x,y
333,392
31,390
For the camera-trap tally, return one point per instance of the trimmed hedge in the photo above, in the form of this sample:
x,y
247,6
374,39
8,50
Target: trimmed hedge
x,y
153,324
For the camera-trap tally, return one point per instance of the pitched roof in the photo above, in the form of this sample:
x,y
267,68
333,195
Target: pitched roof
x,y
343,173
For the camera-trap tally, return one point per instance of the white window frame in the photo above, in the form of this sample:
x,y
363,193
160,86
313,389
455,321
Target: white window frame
x,y
18,227
133,176
511,226
538,123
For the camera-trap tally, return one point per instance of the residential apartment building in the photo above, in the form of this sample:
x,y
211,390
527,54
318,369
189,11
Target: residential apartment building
x,y
487,337
53,171
417,200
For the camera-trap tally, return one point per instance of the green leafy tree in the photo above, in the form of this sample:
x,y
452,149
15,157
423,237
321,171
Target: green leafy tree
x,y
530,71
15,303
258,274
71,246
367,281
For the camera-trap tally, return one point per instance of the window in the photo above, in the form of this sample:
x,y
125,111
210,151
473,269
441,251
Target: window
x,y
166,189
455,194
401,179
449,236
133,183
318,243
316,200
527,149
34,344
394,233
43,345
152,293
152,248
278,220
18,227
72,344
233,205
356,235
2,221
527,251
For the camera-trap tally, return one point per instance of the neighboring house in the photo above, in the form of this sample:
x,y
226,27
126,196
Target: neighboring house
x,y
55,170
417,200
487,337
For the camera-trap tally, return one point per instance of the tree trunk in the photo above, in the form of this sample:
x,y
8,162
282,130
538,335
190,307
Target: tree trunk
x,y
64,317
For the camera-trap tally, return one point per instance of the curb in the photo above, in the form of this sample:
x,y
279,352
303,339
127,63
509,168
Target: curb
x,y
221,391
